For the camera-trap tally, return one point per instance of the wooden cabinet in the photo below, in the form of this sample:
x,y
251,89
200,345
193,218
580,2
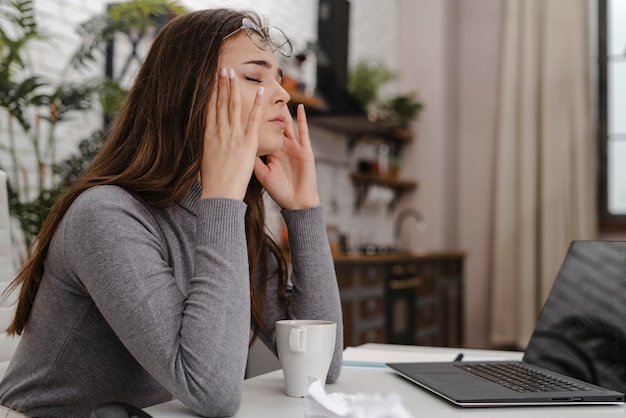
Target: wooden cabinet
x,y
428,293
402,299
362,300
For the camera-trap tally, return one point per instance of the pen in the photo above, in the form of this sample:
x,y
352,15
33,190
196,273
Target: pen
x,y
459,357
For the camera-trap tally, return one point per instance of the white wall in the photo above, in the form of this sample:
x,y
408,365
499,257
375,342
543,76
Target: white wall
x,y
477,59
448,51
423,65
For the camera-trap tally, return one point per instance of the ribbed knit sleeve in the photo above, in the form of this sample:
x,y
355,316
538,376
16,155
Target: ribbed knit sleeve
x,y
315,294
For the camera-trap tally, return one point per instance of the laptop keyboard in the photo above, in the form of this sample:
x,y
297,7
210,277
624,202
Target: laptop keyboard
x,y
520,378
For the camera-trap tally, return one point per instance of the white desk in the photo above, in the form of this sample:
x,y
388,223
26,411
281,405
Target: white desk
x,y
264,395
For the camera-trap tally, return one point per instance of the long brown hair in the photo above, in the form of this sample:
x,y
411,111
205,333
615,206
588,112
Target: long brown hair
x,y
154,149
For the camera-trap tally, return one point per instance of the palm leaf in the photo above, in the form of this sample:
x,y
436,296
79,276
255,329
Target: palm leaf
x,y
123,18
16,97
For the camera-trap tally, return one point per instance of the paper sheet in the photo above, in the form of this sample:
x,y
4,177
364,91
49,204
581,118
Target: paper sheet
x,y
369,357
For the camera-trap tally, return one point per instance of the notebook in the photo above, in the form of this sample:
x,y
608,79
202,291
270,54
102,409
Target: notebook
x,y
579,340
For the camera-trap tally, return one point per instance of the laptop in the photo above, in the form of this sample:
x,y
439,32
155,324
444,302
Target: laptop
x,y
576,354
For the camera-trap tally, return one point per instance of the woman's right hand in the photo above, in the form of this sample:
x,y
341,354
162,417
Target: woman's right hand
x,y
230,146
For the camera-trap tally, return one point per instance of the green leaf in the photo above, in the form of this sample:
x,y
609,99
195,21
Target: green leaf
x,y
126,17
366,79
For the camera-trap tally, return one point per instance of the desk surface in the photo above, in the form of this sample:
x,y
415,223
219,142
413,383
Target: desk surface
x,y
264,395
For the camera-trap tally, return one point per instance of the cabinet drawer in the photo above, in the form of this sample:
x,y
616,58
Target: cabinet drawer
x,y
371,276
371,308
430,269
345,278
428,286
429,338
374,335
427,314
404,269
452,268
348,322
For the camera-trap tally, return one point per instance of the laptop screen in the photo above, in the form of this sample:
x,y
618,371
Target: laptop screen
x,y
581,330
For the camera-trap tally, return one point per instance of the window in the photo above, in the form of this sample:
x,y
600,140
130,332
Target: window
x,y
612,112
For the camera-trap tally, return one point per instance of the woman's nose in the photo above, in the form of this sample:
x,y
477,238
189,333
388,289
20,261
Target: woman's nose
x,y
281,95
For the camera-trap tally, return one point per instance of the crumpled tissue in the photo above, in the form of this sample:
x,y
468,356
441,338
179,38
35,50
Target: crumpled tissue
x,y
319,404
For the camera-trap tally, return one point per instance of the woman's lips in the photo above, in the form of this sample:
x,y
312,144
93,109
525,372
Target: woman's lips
x,y
279,121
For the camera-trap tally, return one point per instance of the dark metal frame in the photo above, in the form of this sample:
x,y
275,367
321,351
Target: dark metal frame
x,y
109,65
608,222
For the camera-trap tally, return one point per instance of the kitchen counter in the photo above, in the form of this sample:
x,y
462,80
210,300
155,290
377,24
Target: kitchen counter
x,y
398,256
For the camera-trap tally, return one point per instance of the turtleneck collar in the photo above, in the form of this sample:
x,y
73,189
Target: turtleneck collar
x,y
190,202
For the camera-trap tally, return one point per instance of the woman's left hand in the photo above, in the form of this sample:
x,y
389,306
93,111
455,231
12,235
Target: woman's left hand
x,y
288,174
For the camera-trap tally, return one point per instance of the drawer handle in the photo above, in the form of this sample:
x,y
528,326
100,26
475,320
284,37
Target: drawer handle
x,y
413,282
397,269
371,306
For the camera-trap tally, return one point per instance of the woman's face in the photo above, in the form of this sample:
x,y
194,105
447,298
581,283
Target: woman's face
x,y
257,67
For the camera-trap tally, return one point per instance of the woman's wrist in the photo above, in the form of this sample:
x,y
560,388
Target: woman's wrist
x,y
303,203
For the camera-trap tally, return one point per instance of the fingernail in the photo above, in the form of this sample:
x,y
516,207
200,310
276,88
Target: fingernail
x,y
223,72
260,91
231,73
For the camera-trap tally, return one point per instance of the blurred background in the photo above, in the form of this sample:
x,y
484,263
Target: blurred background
x,y
461,145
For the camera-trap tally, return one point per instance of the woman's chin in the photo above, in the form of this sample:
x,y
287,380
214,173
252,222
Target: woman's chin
x,y
269,146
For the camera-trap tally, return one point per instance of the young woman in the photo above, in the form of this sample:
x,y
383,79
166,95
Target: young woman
x,y
153,273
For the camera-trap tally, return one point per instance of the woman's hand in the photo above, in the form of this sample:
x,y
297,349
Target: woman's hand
x,y
230,146
288,174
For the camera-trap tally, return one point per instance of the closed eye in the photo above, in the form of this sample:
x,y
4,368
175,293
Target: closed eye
x,y
254,80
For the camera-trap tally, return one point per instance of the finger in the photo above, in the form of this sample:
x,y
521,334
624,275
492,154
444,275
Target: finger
x,y
223,98
290,129
254,119
303,127
234,110
211,118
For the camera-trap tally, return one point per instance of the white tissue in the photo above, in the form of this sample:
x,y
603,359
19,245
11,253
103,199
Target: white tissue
x,y
319,404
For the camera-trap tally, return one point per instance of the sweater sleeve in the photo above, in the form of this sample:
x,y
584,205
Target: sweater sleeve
x,y
314,293
193,342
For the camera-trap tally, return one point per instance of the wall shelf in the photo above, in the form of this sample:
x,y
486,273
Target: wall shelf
x,y
363,182
357,128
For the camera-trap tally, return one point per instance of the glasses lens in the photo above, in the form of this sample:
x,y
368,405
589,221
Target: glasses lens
x,y
279,41
256,36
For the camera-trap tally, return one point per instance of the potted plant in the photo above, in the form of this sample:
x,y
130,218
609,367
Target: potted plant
x,y
364,84
403,108
32,105
365,81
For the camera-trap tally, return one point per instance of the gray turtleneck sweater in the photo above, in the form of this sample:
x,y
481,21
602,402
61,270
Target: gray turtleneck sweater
x,y
144,305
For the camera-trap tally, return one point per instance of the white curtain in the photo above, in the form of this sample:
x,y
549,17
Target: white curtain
x,y
545,173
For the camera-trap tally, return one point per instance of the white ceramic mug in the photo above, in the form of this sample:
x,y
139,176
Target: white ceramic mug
x,y
305,349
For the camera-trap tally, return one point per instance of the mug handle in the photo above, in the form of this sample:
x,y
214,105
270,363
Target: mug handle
x,y
297,339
